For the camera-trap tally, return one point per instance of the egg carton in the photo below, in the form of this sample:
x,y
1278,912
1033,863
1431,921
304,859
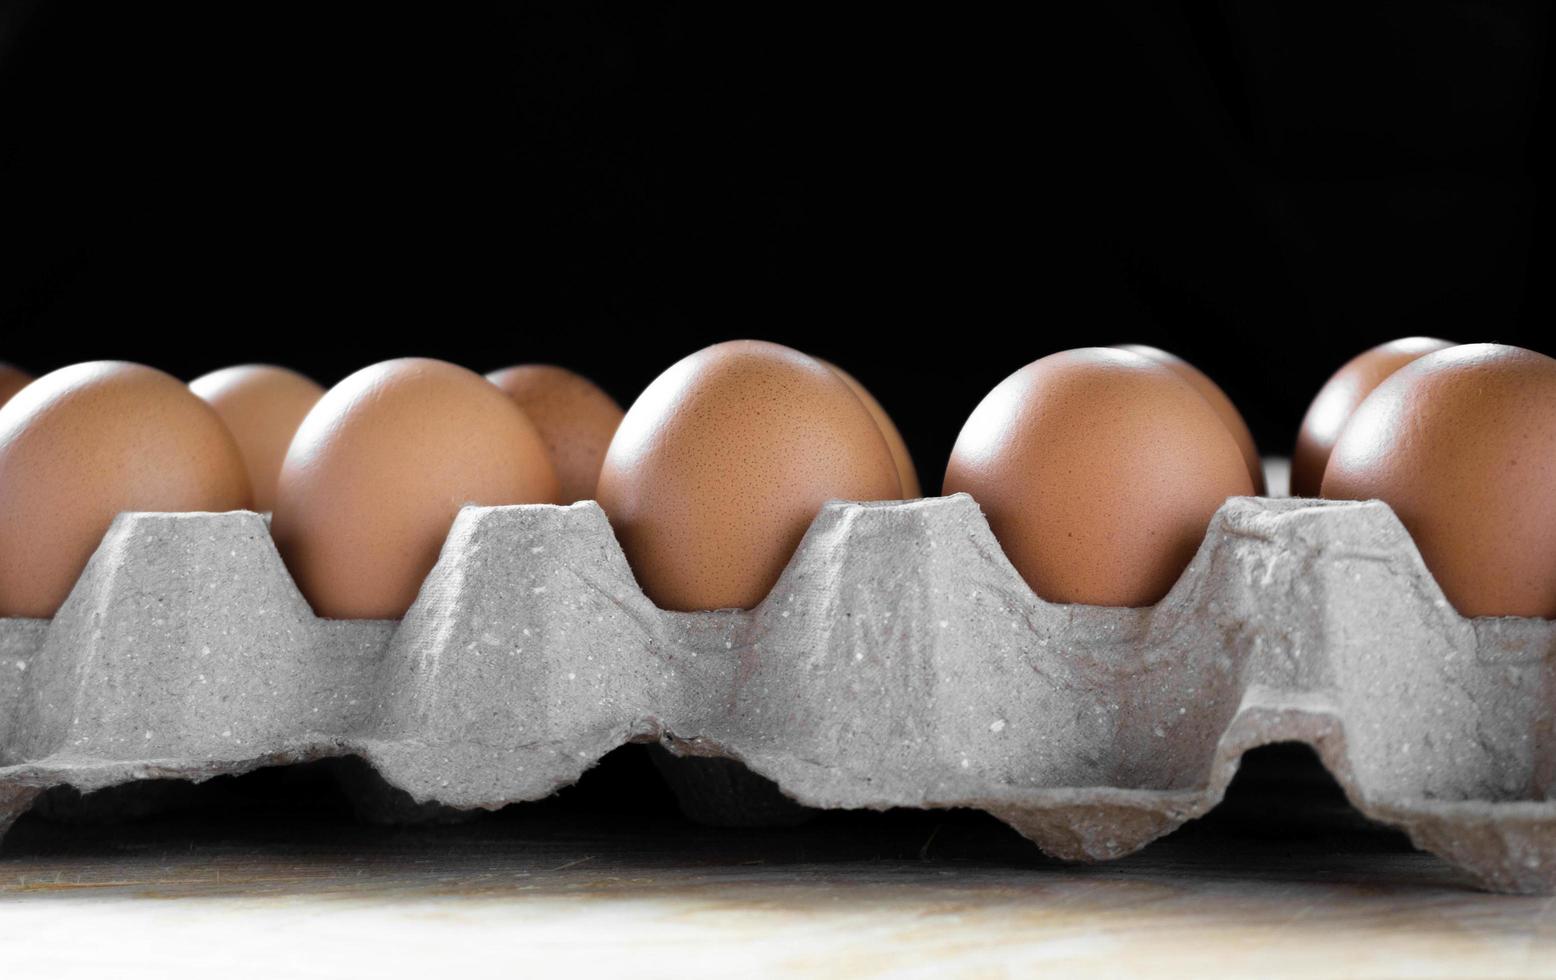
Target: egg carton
x,y
899,661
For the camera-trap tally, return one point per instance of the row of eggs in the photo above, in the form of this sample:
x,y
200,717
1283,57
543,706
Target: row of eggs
x,y
1098,468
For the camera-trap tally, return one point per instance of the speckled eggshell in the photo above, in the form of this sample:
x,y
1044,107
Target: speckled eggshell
x,y
907,473
1338,398
1461,443
84,443
575,418
1212,393
722,463
378,471
262,406
1099,470
12,380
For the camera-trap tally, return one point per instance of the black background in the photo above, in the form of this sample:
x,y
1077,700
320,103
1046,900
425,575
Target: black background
x,y
931,197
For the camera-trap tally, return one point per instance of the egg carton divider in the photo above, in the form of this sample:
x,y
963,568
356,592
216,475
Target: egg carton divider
x,y
900,660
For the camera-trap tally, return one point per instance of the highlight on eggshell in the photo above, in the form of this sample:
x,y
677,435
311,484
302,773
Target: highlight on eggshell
x,y
12,380
1212,393
1461,444
1339,397
576,419
1099,470
722,463
379,469
85,443
907,473
262,405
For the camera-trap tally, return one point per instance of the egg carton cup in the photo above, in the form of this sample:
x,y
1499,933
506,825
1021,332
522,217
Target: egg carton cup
x,y
899,661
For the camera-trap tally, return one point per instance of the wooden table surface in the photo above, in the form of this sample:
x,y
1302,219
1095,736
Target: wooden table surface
x,y
269,875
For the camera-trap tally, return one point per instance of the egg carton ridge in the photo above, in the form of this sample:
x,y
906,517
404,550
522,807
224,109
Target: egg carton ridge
x,y
900,660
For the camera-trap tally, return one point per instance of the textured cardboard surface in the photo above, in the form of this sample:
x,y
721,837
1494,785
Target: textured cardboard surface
x,y
899,661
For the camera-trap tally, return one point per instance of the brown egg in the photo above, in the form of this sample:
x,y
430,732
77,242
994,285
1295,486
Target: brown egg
x,y
83,444
722,463
1099,470
262,407
379,469
1212,393
12,380
1461,443
907,474
1338,398
575,418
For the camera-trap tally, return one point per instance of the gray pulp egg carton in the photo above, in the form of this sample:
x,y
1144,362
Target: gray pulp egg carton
x,y
899,661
